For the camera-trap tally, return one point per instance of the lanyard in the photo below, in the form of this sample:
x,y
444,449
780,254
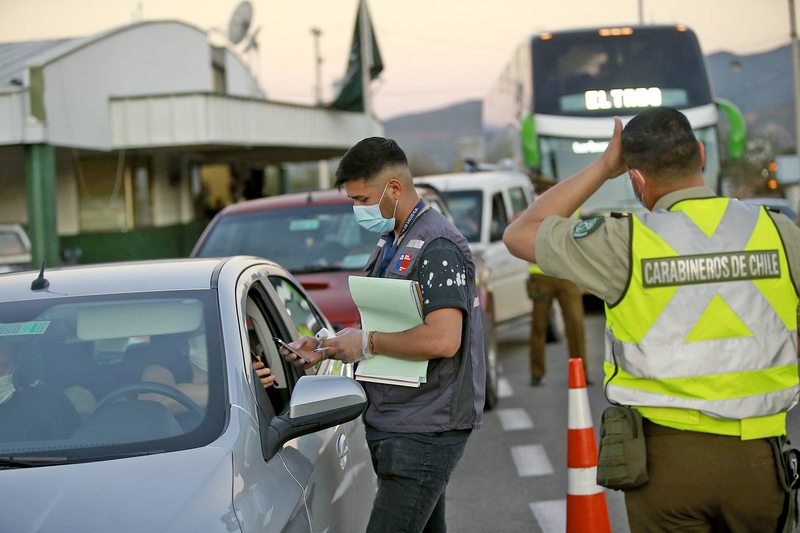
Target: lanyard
x,y
390,247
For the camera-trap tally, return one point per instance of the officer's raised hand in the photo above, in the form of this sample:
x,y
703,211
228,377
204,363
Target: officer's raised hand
x,y
612,157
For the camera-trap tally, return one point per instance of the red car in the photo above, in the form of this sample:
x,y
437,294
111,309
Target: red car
x,y
314,235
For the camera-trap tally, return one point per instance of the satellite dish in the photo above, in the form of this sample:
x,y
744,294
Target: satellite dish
x,y
240,22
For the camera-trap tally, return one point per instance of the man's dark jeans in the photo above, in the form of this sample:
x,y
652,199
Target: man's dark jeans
x,y
412,478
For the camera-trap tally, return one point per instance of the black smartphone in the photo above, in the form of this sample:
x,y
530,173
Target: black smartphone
x,y
257,355
298,354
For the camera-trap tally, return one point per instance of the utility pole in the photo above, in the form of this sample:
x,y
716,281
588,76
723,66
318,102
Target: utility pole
x,y
366,60
322,165
316,32
138,14
796,70
641,12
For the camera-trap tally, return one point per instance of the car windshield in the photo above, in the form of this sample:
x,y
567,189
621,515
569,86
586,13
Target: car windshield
x,y
311,238
467,210
109,376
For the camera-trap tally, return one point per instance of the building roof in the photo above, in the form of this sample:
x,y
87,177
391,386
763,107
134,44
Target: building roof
x,y
14,57
172,105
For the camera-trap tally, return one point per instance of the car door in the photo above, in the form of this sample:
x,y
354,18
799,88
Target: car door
x,y
266,494
518,198
334,464
508,274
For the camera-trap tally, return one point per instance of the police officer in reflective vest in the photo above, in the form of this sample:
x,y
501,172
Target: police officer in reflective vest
x,y
701,297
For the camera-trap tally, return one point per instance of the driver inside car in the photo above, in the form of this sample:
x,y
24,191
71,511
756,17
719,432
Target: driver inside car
x,y
197,387
30,409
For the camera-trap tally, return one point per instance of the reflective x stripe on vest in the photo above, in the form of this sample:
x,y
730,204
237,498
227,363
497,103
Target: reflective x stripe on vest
x,y
708,322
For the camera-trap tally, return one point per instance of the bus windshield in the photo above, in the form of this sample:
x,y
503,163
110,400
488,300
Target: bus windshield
x,y
584,73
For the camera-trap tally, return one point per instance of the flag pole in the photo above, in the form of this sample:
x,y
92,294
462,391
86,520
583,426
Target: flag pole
x,y
366,61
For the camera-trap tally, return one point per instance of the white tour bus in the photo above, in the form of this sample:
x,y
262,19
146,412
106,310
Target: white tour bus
x,y
552,108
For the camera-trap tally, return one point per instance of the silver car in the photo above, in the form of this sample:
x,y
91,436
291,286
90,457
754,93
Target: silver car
x,y
133,404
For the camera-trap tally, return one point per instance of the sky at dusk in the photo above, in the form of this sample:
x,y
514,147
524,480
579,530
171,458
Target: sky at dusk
x,y
435,52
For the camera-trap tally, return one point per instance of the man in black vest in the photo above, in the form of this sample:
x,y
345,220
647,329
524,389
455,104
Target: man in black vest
x,y
415,435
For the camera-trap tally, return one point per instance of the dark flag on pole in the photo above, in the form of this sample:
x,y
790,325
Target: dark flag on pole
x,y
351,93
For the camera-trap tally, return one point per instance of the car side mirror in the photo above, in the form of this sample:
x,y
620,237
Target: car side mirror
x,y
317,403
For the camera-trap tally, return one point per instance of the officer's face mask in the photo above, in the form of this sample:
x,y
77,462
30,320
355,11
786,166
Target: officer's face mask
x,y
197,352
371,219
6,387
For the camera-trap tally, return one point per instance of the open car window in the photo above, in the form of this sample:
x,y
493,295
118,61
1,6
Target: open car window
x,y
304,315
499,218
261,346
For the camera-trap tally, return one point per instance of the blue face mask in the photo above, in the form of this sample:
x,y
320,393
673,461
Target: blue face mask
x,y
370,218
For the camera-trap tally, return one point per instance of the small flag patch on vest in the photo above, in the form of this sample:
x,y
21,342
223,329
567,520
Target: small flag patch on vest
x,y
586,227
402,263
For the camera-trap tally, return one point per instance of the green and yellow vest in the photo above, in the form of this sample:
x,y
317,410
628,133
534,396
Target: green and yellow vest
x,y
705,336
533,268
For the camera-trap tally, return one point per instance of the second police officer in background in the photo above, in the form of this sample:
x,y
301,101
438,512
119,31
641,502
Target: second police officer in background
x,y
542,289
701,302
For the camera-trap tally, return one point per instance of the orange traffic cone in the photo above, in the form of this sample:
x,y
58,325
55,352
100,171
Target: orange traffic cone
x,y
586,501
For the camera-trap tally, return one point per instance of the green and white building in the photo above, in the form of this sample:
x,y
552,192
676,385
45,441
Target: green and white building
x,y
109,143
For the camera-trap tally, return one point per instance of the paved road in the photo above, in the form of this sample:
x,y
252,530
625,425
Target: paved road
x,y
513,476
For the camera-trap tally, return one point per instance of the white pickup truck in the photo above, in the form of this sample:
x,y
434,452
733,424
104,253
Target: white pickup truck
x,y
482,204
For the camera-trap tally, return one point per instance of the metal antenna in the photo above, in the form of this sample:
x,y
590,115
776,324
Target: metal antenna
x,y
41,282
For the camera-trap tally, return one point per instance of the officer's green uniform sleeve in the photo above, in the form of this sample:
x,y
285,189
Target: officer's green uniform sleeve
x,y
593,253
790,234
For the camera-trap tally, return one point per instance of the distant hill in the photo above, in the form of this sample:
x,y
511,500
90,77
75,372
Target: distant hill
x,y
429,138
761,85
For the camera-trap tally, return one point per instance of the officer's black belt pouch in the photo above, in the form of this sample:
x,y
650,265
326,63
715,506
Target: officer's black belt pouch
x,y
787,462
622,459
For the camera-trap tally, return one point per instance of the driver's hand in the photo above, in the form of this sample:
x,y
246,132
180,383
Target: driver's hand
x,y
264,374
346,346
305,345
